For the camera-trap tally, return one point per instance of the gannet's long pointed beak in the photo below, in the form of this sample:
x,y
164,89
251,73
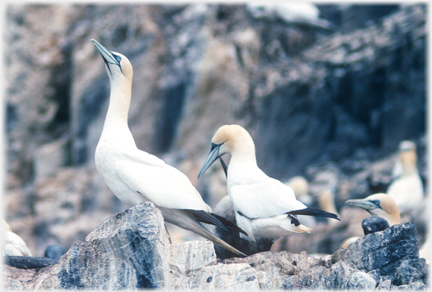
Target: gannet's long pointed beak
x,y
107,56
367,205
213,155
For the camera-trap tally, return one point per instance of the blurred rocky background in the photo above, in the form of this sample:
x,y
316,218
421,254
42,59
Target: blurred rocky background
x,y
329,100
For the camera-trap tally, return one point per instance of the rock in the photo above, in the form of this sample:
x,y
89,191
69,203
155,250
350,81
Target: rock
x,y
406,271
24,262
384,285
130,250
125,251
360,280
54,251
376,250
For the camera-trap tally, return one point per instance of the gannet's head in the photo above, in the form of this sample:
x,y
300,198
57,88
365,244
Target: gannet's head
x,y
381,205
117,65
407,145
228,139
408,157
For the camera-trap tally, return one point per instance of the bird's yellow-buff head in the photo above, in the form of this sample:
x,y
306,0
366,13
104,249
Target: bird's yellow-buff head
x,y
117,65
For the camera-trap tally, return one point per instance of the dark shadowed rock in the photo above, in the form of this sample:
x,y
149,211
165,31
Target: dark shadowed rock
x,y
54,251
21,262
373,224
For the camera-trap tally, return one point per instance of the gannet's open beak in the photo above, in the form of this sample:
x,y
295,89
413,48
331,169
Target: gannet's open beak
x,y
107,56
364,204
213,155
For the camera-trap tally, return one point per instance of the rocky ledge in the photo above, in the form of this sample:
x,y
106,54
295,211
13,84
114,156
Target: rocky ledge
x,y
131,250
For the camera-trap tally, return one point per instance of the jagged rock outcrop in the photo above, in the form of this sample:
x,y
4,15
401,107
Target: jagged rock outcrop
x,y
131,250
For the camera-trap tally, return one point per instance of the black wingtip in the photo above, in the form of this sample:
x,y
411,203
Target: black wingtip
x,y
219,221
314,212
233,228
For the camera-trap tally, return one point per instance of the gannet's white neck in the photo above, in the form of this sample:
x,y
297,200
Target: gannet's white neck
x,y
409,162
119,103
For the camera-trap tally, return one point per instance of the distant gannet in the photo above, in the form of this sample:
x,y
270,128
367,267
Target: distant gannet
x,y
13,245
407,188
381,205
300,186
264,207
135,176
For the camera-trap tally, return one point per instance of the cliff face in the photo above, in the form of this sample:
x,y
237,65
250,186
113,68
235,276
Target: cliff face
x,y
310,97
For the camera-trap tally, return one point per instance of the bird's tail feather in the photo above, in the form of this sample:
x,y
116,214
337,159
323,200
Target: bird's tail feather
x,y
186,220
204,232
219,221
314,212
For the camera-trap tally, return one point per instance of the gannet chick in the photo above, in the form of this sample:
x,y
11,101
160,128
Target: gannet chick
x,y
407,188
13,245
135,176
264,206
381,205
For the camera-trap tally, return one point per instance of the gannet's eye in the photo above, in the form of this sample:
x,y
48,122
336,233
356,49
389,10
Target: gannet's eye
x,y
118,58
376,202
213,146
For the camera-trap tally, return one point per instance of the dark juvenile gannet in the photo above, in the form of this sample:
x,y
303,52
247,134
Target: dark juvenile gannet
x,y
381,205
135,176
407,187
264,207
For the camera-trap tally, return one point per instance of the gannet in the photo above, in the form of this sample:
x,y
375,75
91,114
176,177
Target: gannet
x,y
264,207
13,244
381,205
407,188
135,176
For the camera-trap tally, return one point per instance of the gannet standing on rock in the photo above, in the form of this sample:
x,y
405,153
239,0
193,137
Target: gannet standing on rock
x,y
135,176
407,188
264,206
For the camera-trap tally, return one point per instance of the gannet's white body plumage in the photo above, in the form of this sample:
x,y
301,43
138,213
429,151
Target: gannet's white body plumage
x,y
261,203
13,244
407,188
135,176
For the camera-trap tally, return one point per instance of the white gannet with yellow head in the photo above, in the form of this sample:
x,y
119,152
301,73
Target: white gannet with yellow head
x,y
407,187
135,176
264,207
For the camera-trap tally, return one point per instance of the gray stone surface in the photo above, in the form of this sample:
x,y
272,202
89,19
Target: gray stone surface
x,y
131,250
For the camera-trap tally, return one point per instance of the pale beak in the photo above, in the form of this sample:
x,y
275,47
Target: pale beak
x,y
107,56
364,204
211,158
